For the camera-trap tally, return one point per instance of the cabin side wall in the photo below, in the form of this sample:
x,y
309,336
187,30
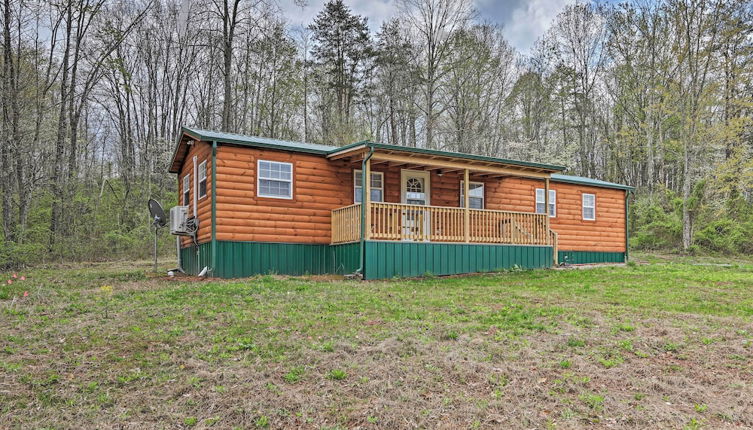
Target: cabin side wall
x,y
319,186
605,234
203,152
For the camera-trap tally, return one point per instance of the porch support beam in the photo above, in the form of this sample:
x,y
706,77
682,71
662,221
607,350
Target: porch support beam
x,y
467,209
546,209
449,164
353,152
366,186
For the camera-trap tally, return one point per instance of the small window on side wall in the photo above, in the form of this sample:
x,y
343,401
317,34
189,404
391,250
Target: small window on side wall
x,y
589,206
203,179
475,195
275,179
377,186
552,202
187,189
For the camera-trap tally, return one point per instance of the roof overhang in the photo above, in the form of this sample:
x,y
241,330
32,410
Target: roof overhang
x,y
400,155
578,180
189,135
187,138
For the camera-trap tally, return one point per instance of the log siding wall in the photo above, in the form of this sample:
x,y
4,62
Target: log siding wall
x,y
203,152
321,185
605,234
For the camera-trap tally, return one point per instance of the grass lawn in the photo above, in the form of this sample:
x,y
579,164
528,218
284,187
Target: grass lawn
x,y
663,344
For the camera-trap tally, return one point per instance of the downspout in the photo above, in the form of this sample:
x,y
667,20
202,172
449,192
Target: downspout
x,y
177,238
362,240
214,209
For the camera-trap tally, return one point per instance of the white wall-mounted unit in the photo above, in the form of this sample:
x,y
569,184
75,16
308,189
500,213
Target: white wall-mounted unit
x,y
179,220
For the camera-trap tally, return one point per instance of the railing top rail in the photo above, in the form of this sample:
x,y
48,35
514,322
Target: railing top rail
x,y
346,207
506,212
454,207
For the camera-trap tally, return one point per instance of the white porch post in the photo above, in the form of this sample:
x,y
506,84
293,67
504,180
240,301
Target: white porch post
x,y
546,209
467,210
367,198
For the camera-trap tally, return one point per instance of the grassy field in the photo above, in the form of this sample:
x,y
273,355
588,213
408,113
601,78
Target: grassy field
x,y
661,344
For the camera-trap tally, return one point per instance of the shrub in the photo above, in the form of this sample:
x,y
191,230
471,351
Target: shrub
x,y
656,226
727,236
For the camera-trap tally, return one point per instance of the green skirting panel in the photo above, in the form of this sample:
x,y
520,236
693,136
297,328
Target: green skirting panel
x,y
242,259
409,259
590,257
192,261
383,259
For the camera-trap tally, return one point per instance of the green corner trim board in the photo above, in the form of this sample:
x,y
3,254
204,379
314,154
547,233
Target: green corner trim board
x,y
383,259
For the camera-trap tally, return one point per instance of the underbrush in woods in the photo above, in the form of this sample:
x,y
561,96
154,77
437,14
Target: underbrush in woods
x,y
720,226
662,343
103,222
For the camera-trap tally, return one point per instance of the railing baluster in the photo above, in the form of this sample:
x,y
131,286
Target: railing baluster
x,y
394,221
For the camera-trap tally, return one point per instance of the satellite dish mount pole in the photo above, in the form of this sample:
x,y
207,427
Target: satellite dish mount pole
x,y
158,220
156,229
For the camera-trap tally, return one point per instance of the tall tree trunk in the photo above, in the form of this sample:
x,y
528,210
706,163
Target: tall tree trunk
x,y
58,186
687,226
10,126
229,21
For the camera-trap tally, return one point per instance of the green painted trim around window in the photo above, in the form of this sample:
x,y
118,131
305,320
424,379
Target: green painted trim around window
x,y
590,257
387,259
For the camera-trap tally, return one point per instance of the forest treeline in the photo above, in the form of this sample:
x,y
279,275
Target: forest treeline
x,y
655,94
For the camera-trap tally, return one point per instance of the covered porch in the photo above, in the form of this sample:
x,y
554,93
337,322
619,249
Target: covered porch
x,y
410,216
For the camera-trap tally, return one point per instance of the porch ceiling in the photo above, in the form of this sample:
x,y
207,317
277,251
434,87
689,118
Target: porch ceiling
x,y
447,161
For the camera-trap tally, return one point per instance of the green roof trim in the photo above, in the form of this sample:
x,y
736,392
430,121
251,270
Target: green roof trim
x,y
461,155
264,142
580,180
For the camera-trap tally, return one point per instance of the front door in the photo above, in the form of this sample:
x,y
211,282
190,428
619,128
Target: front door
x,y
415,190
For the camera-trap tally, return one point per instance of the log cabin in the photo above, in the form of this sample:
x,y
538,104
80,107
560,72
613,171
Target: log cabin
x,y
382,211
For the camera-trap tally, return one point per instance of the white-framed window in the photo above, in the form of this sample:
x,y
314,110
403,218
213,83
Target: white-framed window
x,y
202,179
377,186
187,189
475,195
552,202
589,206
275,179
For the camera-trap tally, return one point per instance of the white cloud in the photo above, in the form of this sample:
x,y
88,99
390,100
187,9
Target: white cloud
x,y
523,21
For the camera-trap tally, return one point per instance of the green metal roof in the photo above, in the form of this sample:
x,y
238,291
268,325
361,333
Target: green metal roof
x,y
462,155
580,180
239,139
313,148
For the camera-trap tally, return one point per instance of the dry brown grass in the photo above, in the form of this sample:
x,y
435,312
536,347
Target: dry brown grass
x,y
655,346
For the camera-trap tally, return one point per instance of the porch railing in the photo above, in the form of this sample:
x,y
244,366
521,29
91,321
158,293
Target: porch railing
x,y
346,224
396,221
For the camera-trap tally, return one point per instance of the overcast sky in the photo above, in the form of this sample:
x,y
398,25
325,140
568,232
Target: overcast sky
x,y
523,21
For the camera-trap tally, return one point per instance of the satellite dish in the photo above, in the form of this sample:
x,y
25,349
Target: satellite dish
x,y
158,214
